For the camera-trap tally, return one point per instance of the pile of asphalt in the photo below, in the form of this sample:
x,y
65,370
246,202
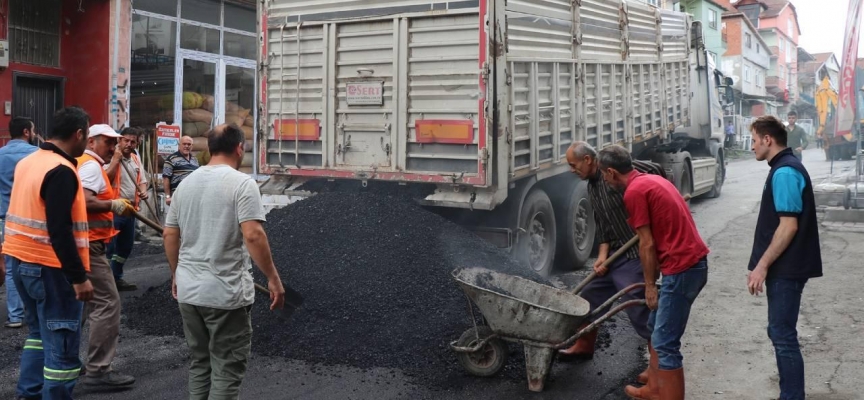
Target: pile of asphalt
x,y
375,271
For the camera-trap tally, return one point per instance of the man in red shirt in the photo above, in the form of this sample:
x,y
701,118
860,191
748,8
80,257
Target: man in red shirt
x,y
669,243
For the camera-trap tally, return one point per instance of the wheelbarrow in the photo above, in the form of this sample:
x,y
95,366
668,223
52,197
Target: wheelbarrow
x,y
540,317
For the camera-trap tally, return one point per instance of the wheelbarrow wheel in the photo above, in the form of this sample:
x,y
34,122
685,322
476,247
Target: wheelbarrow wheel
x,y
487,361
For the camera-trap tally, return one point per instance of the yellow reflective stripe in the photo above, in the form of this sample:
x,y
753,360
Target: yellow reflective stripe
x,y
118,259
83,243
100,224
60,374
37,224
33,344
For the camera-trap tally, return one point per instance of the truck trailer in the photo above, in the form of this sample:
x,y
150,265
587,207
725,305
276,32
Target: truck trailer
x,y
482,99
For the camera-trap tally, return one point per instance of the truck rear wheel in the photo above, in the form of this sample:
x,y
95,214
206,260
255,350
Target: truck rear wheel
x,y
719,177
535,245
575,217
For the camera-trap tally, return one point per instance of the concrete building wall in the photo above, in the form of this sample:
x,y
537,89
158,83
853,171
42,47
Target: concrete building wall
x,y
84,62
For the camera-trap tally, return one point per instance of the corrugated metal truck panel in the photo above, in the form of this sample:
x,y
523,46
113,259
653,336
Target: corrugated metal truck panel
x,y
391,98
395,90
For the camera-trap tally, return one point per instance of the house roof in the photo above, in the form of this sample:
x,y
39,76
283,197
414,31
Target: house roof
x,y
822,57
741,15
776,7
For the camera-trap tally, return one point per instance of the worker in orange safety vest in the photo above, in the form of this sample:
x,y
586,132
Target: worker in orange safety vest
x,y
103,312
47,241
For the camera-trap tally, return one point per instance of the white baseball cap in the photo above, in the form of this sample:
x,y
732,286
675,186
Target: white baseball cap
x,y
104,130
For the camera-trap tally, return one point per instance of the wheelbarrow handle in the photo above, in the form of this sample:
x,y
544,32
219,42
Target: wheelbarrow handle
x,y
625,305
630,243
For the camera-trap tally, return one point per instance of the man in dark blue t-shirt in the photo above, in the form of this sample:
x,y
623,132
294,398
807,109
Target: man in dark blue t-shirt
x,y
786,251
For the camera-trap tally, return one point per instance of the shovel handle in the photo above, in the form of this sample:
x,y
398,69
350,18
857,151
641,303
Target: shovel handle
x,y
261,289
606,263
613,257
148,222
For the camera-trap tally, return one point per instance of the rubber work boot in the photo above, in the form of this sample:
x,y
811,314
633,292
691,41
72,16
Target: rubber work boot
x,y
650,391
652,360
109,379
671,384
583,348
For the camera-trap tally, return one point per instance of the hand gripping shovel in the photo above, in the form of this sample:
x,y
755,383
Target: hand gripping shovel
x,y
293,299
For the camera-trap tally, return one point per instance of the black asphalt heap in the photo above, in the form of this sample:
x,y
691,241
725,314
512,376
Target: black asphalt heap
x,y
375,273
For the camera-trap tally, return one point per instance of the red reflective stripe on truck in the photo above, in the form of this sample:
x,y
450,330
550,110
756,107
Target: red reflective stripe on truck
x,y
372,175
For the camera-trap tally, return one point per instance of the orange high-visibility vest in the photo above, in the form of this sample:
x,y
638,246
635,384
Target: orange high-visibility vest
x,y
101,223
27,236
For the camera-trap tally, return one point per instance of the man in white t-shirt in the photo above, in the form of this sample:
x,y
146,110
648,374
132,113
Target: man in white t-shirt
x,y
212,228
103,312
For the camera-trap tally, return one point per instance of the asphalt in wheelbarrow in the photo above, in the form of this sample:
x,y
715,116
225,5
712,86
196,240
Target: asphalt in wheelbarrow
x,y
375,273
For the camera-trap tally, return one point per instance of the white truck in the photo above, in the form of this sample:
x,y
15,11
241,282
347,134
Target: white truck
x,y
482,99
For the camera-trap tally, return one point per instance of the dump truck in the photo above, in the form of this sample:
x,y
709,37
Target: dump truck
x,y
481,100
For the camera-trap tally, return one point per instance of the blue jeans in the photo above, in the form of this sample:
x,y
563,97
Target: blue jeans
x,y
784,302
120,246
669,320
14,306
49,362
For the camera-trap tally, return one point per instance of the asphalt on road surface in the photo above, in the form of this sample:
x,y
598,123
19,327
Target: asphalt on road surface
x,y
160,362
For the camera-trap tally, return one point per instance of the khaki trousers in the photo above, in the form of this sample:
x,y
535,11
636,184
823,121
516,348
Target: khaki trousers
x,y
103,313
220,341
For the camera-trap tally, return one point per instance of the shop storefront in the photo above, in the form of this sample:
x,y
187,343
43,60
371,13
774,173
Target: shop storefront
x,y
193,65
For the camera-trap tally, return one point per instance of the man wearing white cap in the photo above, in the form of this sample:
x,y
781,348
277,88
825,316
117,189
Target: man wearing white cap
x,y
102,197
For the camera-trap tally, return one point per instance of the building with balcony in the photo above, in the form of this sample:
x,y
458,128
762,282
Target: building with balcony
x,y
777,23
747,60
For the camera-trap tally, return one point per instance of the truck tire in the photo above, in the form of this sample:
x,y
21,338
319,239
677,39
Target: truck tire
x,y
576,228
685,182
719,178
536,238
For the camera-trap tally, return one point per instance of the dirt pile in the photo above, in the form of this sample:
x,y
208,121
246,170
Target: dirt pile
x,y
375,273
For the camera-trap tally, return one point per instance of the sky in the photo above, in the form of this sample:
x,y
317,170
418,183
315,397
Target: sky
x,y
823,24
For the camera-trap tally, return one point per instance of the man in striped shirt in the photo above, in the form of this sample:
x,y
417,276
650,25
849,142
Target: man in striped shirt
x,y
613,232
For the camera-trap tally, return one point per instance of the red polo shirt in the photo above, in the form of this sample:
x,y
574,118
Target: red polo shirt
x,y
653,200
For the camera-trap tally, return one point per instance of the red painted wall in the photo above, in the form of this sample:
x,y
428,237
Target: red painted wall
x,y
84,60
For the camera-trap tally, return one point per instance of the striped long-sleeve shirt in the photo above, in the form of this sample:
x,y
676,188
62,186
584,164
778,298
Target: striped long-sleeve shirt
x,y
609,212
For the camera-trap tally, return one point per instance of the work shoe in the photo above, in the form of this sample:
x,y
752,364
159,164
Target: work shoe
x,y
13,325
583,348
671,384
123,286
109,379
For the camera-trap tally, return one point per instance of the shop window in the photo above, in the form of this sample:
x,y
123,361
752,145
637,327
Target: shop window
x,y
164,7
240,15
152,70
34,32
240,107
199,89
206,11
199,38
240,46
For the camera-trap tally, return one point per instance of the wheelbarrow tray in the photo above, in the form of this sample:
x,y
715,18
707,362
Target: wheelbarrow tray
x,y
518,308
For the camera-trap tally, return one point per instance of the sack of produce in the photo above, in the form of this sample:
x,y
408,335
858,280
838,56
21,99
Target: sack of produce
x,y
197,115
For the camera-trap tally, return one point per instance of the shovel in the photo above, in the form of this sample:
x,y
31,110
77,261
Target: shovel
x,y
293,299
630,243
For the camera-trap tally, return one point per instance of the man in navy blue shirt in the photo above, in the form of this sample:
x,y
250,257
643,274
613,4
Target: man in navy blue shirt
x,y
21,132
786,251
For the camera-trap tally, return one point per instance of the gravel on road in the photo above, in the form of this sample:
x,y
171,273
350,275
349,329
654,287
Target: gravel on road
x,y
375,273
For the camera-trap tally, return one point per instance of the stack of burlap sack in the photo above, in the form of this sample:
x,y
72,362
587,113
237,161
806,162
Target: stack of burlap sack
x,y
197,118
